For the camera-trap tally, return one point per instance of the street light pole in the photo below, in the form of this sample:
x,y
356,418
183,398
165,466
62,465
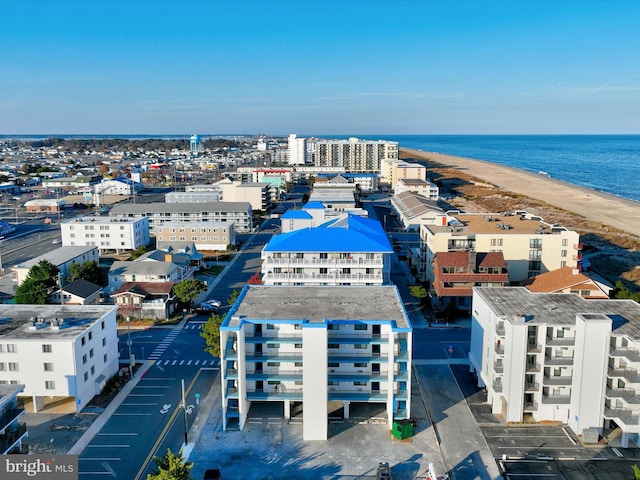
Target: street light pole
x,y
184,407
129,343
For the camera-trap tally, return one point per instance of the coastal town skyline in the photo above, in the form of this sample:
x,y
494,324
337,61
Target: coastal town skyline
x,y
323,67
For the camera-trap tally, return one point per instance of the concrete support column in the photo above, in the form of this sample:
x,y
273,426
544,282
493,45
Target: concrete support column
x,y
287,409
38,403
346,409
625,439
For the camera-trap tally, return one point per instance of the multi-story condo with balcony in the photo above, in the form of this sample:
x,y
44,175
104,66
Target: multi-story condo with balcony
x,y
413,210
346,250
456,273
106,233
237,213
418,186
559,357
58,351
12,430
308,346
352,155
530,245
393,170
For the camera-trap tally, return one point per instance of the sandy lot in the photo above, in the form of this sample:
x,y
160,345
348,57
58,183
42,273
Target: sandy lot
x,y
599,207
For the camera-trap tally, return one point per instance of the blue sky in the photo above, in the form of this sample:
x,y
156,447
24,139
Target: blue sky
x,y
319,67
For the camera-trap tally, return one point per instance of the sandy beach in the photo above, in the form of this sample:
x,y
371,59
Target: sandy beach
x,y
599,207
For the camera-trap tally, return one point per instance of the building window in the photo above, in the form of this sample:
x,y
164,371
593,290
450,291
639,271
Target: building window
x,y
93,370
360,326
334,345
91,353
104,358
273,345
359,384
273,364
84,358
83,340
333,365
90,335
359,346
3,367
563,253
46,348
48,367
86,376
12,348
50,385
13,367
298,345
298,364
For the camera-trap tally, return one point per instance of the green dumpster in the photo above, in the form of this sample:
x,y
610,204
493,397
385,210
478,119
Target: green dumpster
x,y
402,429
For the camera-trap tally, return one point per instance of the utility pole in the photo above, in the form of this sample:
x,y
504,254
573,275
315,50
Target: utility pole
x,y
184,408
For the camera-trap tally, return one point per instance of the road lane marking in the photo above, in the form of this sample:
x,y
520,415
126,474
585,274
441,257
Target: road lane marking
x,y
108,446
166,428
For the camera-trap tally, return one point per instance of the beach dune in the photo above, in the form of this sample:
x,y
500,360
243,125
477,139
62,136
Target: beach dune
x,y
600,207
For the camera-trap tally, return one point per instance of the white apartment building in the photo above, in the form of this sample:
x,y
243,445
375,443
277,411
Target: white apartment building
x,y
263,174
297,150
58,351
106,233
237,213
205,236
419,187
62,258
308,346
346,250
530,245
559,357
352,155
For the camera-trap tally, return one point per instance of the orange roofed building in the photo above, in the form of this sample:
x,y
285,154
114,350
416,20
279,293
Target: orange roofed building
x,y
456,273
569,280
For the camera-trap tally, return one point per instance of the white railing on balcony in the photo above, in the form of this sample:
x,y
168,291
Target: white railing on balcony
x,y
377,261
626,373
629,395
560,341
622,415
323,276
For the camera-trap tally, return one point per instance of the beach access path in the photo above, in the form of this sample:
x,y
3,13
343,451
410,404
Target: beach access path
x,y
600,207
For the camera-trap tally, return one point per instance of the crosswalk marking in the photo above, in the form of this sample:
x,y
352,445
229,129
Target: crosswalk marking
x,y
200,363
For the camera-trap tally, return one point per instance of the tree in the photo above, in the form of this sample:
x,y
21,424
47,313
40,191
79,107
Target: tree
x,y
171,467
255,279
188,290
32,292
211,334
419,292
233,297
44,271
89,271
38,285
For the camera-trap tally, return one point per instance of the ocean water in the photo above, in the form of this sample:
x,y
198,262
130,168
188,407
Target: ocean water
x,y
608,163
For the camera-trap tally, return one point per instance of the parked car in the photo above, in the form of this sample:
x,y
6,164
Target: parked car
x,y
383,472
56,241
215,303
206,308
212,474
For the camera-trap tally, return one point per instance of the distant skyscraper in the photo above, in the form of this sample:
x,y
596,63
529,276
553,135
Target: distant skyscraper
x,y
196,145
297,150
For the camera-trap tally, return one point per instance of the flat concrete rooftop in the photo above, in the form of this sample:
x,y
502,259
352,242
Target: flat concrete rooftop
x,y
560,308
498,224
16,320
316,304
